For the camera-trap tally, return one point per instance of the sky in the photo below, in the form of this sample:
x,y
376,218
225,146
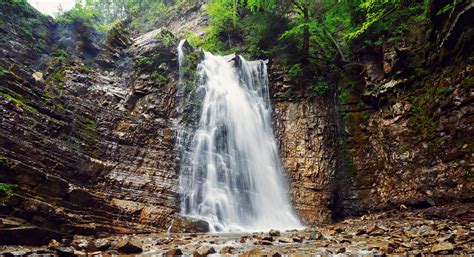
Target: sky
x,y
51,7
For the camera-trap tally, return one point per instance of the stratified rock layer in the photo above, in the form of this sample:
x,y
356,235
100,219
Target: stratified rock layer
x,y
87,146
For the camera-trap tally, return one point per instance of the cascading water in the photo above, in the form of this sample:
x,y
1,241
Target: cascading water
x,y
231,174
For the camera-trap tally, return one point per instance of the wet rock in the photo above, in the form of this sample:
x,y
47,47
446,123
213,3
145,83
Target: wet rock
x,y
274,232
442,248
129,246
376,231
102,244
297,239
66,241
204,251
253,252
285,240
424,230
53,243
63,251
268,238
174,252
264,242
27,235
360,232
341,250
189,225
38,76
314,235
227,250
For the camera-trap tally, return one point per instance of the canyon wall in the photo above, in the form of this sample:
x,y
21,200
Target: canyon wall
x,y
86,140
87,143
397,135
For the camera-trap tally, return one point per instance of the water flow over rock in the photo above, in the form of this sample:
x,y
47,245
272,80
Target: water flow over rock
x,y
231,174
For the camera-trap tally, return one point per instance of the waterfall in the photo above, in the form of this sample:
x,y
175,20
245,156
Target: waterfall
x,y
230,172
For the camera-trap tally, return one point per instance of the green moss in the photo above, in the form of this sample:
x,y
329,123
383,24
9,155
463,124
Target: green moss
x,y
321,87
89,124
58,77
344,95
6,162
48,96
6,190
193,39
156,75
85,69
19,102
166,37
295,71
3,71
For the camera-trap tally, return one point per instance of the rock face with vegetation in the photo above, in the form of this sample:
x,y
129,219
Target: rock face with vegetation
x,y
372,110
86,140
408,119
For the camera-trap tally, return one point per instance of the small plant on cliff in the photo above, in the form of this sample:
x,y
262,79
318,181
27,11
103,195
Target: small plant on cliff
x,y
80,13
295,71
3,72
156,75
6,162
6,190
321,87
344,95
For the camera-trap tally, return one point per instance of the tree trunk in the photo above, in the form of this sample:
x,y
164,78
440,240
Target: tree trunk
x,y
305,50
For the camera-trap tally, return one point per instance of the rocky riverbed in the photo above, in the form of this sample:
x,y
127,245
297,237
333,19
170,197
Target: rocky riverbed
x,y
396,232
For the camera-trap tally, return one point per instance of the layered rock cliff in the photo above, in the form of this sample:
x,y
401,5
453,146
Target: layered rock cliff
x,y
396,134
87,143
86,136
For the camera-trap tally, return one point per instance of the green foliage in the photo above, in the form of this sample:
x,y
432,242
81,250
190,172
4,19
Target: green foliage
x,y
193,39
156,75
149,62
17,99
295,71
144,61
6,188
3,71
344,95
223,25
58,77
255,5
448,7
6,162
321,87
80,13
166,37
373,11
27,23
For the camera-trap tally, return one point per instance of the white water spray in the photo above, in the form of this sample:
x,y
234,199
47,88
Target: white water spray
x,y
231,175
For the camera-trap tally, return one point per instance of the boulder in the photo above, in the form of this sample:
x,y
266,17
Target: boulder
x,y
297,239
129,246
27,235
204,251
227,250
174,252
253,252
274,232
63,251
188,225
443,247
